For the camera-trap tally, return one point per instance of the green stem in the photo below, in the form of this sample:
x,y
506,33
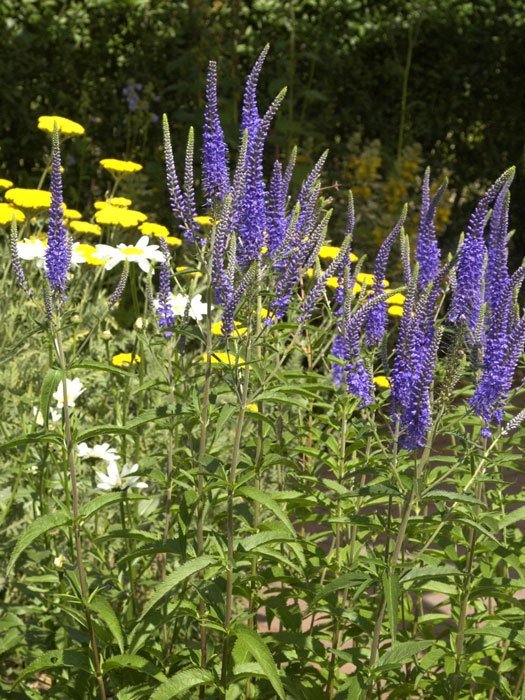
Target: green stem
x,y
130,563
169,481
463,609
70,452
205,406
230,525
336,633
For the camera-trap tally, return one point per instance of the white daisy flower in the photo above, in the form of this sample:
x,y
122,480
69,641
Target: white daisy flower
x,y
115,480
54,415
141,253
74,388
197,309
32,248
102,451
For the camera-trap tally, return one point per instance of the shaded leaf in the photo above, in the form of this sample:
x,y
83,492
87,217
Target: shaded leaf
x,y
181,682
38,527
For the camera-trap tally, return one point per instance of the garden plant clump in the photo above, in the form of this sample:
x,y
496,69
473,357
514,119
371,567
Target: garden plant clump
x,y
241,461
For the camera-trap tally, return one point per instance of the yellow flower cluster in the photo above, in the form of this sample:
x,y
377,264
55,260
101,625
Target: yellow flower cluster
x,y
120,167
5,184
113,202
67,127
85,227
125,359
118,216
29,199
7,212
216,329
151,229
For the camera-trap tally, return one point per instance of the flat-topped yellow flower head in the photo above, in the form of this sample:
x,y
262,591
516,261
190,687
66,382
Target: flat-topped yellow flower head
x,y
123,202
397,298
28,198
368,280
120,167
329,252
151,229
117,216
204,220
67,127
125,359
381,381
7,211
72,214
395,310
85,227
5,184
224,358
216,328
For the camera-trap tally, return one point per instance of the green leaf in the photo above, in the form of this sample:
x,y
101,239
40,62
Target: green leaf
x,y
50,384
42,436
266,500
152,415
400,653
106,499
107,429
178,576
106,613
346,581
56,659
391,589
38,527
511,518
251,641
136,662
181,682
102,366
430,572
441,495
280,396
253,541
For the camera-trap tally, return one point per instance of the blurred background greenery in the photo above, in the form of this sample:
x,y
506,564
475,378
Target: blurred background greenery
x,y
388,86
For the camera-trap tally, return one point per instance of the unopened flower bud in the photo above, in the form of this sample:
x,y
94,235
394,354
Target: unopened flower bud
x,y
106,335
58,562
139,324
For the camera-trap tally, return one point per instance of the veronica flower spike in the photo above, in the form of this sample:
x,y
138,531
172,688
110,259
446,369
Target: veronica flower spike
x,y
58,252
377,318
215,178
468,296
427,251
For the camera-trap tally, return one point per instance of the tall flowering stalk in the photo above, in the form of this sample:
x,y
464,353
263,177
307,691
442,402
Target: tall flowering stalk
x,y
215,177
181,202
415,356
469,293
427,252
58,252
165,315
377,318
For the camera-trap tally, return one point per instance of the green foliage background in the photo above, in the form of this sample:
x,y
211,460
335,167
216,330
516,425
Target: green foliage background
x,y
344,62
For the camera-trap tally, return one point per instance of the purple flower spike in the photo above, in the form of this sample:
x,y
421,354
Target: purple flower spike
x,y
250,113
216,181
377,318
468,297
58,253
181,208
497,274
252,216
427,251
165,316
